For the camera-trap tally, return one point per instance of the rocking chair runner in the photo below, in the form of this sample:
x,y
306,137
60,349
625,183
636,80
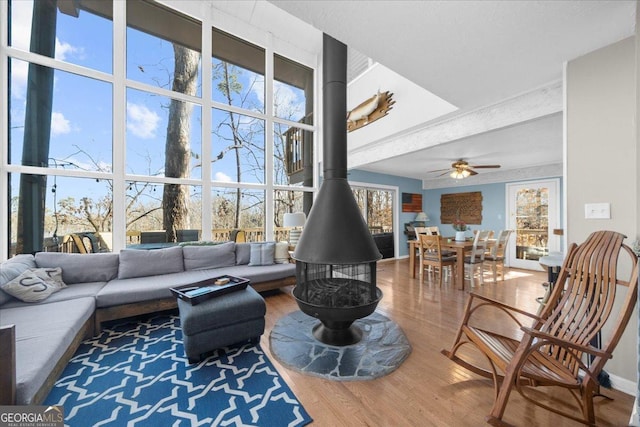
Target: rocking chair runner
x,y
556,350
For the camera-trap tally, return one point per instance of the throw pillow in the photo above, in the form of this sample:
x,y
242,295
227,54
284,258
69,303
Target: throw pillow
x,y
12,268
243,253
52,276
262,253
29,287
282,253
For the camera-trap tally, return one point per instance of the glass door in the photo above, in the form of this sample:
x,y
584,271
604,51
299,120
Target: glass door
x,y
533,214
380,213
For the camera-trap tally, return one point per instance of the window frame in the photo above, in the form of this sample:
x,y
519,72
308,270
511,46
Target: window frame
x,y
119,176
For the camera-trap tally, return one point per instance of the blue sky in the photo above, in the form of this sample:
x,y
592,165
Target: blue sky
x,y
81,126
82,106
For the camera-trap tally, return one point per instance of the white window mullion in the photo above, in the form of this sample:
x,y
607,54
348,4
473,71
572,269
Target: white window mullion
x,y
119,125
4,136
207,214
317,122
268,140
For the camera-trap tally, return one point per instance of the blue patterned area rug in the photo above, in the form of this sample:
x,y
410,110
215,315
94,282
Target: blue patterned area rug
x,y
136,374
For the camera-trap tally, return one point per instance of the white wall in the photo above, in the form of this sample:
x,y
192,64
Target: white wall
x,y
602,163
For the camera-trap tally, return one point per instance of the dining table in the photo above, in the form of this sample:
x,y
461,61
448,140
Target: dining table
x,y
448,243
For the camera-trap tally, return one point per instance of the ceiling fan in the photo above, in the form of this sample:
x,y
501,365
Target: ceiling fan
x,y
461,169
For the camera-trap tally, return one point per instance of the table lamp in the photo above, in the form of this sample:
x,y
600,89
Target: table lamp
x,y
294,220
421,217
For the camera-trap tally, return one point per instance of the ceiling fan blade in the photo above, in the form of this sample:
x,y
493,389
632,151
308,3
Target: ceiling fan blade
x,y
438,170
484,166
445,173
472,172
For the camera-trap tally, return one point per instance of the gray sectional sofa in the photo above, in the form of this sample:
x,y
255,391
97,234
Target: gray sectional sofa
x,y
37,339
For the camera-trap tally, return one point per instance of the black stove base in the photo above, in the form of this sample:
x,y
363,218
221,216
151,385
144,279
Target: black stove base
x,y
337,337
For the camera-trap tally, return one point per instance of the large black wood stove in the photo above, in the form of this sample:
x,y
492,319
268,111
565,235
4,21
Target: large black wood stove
x,y
336,256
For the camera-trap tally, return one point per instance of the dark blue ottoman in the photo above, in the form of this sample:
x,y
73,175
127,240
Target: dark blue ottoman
x,y
219,322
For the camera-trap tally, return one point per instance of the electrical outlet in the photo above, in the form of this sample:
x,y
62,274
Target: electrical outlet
x,y
597,210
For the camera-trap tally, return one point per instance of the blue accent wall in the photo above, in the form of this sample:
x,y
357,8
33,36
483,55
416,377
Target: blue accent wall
x,y
405,185
493,207
493,203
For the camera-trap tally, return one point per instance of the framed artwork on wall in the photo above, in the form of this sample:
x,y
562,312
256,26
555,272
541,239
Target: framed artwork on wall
x,y
411,202
464,206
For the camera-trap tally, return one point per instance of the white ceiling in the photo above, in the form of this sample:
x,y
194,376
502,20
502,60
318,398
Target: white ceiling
x,y
475,55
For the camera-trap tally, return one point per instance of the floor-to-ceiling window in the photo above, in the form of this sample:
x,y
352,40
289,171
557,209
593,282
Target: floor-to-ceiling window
x,y
119,126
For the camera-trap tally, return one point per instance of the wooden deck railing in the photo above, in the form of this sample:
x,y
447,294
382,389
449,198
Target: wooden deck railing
x,y
69,244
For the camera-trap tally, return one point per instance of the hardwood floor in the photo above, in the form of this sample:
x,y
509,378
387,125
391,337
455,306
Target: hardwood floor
x,y
428,389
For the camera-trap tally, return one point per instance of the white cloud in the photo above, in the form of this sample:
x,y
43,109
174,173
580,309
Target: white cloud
x,y
59,125
65,50
141,121
221,176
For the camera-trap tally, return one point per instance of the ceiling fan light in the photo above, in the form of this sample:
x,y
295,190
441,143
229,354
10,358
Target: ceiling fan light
x,y
460,173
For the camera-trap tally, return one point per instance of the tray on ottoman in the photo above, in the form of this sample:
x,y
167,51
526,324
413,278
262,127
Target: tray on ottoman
x,y
195,293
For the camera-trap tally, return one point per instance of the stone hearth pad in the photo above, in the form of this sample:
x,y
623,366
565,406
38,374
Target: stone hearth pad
x,y
382,349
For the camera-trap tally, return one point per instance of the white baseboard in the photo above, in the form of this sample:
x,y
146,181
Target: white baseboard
x,y
623,385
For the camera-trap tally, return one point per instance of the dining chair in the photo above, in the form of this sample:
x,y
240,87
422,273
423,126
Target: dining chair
x,y
431,257
420,230
435,231
475,260
494,255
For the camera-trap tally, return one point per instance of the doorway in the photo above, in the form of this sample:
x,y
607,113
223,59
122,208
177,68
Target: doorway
x,y
533,213
379,210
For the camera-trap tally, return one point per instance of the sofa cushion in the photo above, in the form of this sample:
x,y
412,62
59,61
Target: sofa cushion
x,y
12,268
262,253
201,257
43,334
243,253
148,288
140,263
30,287
79,290
81,268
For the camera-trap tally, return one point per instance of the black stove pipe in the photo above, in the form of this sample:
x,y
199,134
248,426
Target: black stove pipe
x,y
334,108
335,231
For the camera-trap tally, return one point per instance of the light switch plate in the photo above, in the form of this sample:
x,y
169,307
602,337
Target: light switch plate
x,y
597,210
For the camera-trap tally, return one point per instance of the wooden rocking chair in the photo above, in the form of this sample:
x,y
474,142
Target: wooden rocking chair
x,y
555,350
